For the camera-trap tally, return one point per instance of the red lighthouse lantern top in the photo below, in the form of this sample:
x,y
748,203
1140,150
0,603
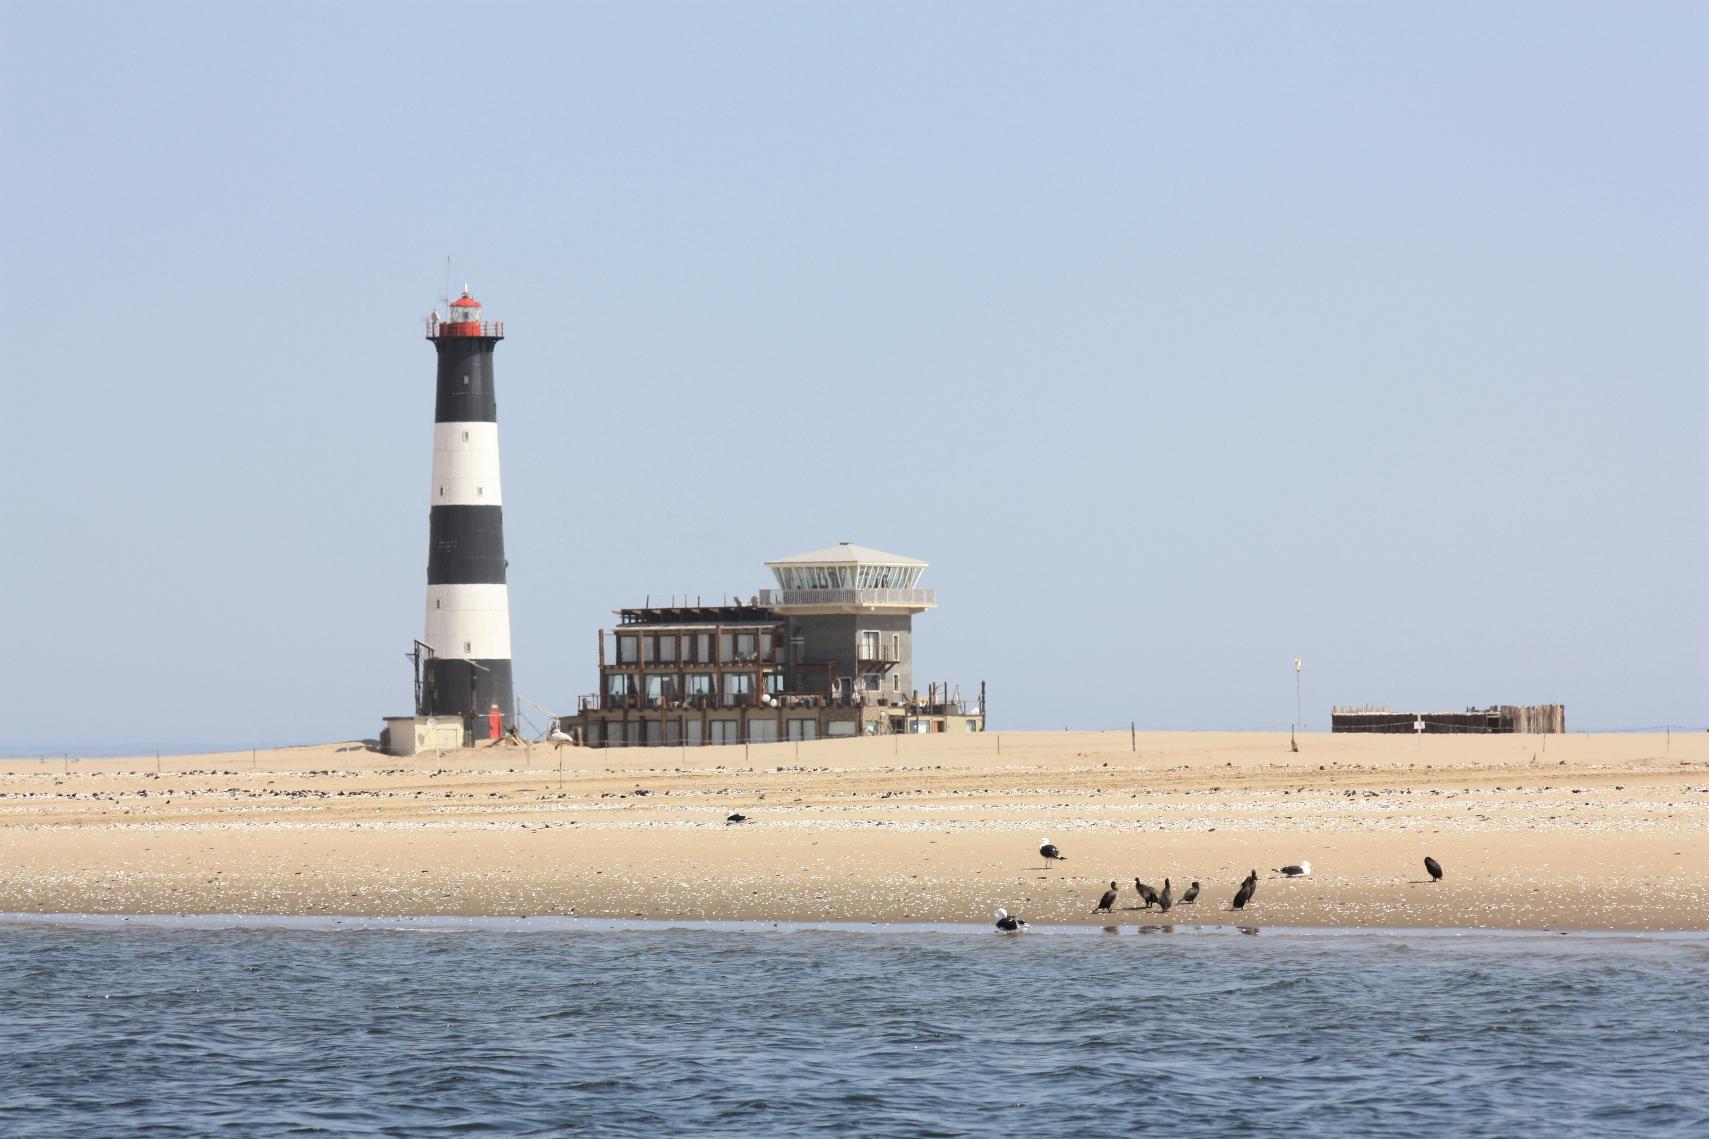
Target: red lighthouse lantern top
x,y
464,320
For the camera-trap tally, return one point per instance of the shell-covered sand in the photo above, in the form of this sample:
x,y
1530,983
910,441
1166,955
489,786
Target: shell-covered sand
x,y
1579,832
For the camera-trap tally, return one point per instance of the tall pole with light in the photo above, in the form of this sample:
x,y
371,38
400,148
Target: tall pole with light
x,y
1293,743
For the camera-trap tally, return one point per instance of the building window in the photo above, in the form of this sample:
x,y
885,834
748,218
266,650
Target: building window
x,y
738,686
872,682
896,683
869,644
628,649
700,684
746,646
465,434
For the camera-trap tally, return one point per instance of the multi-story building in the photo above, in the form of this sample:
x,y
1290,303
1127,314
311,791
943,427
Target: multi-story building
x,y
828,652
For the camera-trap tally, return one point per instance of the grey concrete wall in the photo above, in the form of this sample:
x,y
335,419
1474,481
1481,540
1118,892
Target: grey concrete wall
x,y
836,637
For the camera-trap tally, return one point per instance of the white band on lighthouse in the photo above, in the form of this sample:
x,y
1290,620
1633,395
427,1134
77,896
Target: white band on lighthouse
x,y
465,465
469,622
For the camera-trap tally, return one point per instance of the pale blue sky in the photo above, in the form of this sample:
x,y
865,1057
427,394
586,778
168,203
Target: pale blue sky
x,y
1181,340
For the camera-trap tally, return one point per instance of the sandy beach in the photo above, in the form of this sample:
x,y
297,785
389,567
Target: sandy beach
x,y
1572,832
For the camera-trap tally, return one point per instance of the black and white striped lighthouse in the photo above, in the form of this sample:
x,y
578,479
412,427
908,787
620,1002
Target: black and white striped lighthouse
x,y
467,671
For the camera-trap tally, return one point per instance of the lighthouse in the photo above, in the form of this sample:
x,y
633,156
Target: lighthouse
x,y
467,667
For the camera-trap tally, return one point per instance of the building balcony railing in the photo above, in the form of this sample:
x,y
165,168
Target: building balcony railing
x,y
732,662
882,654
875,598
618,702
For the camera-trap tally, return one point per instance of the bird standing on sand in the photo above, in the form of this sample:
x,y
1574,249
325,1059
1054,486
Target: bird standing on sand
x,y
1008,924
1167,897
1252,885
1434,867
1243,895
1299,871
1146,893
1049,853
1192,894
732,820
1108,900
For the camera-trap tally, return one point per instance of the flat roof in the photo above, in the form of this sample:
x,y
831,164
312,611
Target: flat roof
x,y
846,553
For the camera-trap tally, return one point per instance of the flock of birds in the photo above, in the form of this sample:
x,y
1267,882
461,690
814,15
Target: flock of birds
x,y
1165,899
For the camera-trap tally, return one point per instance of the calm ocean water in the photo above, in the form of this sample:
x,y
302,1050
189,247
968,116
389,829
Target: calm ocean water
x,y
366,1028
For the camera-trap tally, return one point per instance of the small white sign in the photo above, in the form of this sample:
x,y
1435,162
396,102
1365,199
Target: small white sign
x,y
1418,725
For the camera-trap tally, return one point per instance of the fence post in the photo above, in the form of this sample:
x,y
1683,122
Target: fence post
x,y
1133,736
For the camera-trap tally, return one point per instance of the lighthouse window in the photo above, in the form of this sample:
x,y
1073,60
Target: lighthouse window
x,y
479,491
465,434
467,647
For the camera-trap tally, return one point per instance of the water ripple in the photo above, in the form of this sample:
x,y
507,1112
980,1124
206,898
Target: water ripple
x,y
369,1031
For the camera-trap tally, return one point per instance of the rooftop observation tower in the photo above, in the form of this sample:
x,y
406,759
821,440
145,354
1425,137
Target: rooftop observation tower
x,y
846,578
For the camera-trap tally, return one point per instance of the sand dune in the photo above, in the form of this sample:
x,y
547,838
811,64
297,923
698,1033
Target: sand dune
x,y
1599,832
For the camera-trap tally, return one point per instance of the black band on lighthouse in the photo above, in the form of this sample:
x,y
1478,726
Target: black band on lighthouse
x,y
466,381
452,687
465,545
